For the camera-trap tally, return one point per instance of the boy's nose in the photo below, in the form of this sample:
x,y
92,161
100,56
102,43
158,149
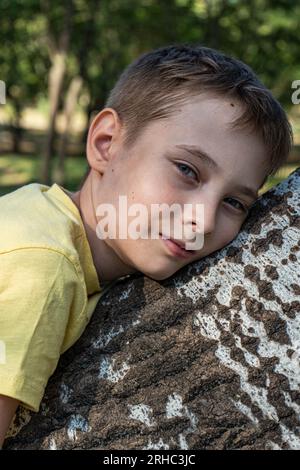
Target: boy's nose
x,y
209,220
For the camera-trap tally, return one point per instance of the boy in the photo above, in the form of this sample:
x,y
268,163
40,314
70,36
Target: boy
x,y
184,124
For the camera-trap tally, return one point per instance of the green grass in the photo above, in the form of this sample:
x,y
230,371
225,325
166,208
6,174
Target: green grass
x,y
17,170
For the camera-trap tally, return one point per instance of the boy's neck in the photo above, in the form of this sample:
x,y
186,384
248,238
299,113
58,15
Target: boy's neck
x,y
108,265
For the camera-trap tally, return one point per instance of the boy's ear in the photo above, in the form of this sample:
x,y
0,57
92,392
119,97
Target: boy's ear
x,y
104,133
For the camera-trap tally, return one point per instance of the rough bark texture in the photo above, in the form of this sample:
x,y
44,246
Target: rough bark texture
x,y
208,359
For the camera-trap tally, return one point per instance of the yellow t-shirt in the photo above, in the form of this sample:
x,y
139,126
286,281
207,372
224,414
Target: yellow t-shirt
x,y
49,287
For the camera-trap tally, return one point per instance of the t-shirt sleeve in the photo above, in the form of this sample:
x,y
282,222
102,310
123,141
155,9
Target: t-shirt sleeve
x,y
37,288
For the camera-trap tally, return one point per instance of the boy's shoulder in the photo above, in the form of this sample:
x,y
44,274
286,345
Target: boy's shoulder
x,y
44,218
37,215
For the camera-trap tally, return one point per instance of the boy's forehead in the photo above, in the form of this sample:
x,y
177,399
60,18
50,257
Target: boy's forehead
x,y
206,117
207,109
207,121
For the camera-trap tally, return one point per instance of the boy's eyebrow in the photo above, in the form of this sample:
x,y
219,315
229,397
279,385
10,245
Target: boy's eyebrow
x,y
208,161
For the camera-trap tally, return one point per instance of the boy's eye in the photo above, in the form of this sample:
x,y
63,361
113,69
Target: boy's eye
x,y
185,169
240,206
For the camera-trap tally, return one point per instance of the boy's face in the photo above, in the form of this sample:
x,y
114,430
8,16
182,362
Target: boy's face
x,y
158,170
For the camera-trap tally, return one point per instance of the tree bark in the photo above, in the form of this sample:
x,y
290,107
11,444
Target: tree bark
x,y
207,359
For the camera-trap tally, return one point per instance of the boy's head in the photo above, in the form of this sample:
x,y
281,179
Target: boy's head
x,y
174,97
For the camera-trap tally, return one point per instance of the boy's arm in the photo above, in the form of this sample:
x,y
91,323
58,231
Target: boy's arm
x,y
43,304
8,407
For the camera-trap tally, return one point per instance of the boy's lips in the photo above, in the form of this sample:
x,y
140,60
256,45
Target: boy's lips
x,y
177,247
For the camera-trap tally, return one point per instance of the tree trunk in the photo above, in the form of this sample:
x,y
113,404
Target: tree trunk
x,y
58,53
69,109
56,77
16,129
207,359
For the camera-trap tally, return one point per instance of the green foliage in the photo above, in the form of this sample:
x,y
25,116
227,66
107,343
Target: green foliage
x,y
108,34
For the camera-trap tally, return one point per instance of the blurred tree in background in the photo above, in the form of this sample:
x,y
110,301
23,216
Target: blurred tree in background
x,y
69,54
